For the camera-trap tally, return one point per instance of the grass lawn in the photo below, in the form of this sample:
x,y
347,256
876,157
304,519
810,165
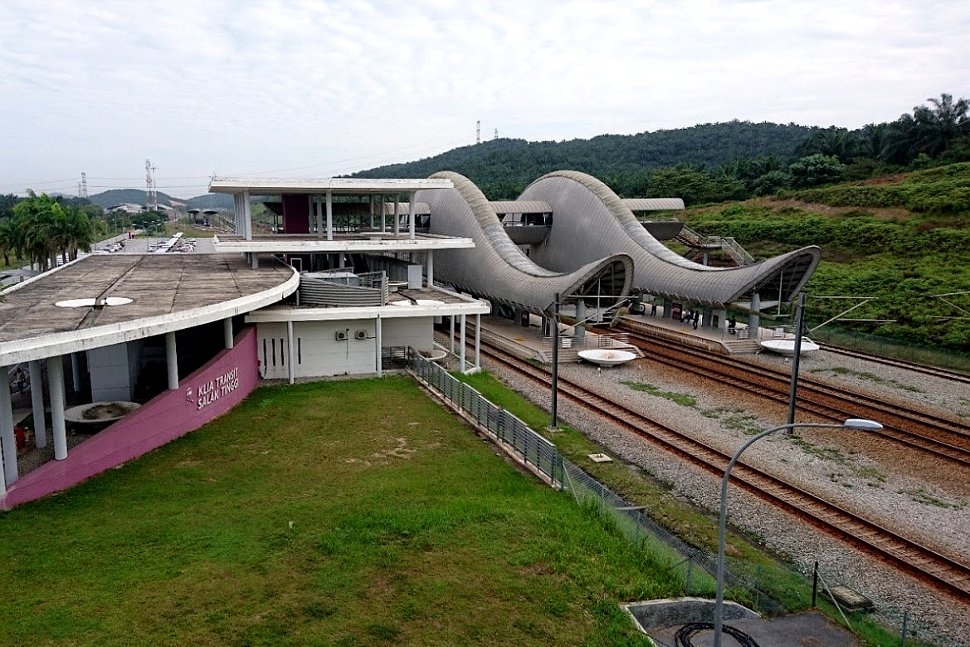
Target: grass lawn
x,y
334,513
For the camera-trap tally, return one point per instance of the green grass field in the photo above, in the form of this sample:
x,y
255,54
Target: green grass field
x,y
335,513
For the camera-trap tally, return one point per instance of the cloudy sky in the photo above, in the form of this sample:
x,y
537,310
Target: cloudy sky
x,y
320,88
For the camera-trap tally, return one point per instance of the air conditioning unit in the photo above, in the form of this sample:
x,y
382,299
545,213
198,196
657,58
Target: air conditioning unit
x,y
341,335
360,334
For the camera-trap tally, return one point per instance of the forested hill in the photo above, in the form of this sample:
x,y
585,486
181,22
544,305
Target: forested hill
x,y
112,197
502,168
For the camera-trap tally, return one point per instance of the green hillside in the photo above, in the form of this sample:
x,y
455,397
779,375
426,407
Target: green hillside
x,y
502,168
112,197
902,239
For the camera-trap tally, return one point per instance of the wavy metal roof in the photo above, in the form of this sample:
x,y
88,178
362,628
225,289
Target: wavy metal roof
x,y
497,269
590,221
519,206
653,204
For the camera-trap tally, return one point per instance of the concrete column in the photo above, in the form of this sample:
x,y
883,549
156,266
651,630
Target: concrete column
x,y
667,305
378,343
55,380
429,270
247,216
478,341
462,342
397,222
341,260
37,403
75,373
290,352
329,215
451,334
411,215
383,215
171,361
370,203
580,328
227,332
754,319
8,442
708,317
318,212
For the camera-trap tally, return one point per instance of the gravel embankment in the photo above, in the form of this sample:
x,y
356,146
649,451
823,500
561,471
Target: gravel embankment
x,y
921,497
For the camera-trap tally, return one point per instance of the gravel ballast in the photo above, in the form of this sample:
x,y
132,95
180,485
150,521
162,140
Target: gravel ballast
x,y
920,497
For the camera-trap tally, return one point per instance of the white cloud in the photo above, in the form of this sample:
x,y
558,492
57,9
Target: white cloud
x,y
333,87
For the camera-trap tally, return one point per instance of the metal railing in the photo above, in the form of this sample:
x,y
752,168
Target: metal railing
x,y
532,450
694,567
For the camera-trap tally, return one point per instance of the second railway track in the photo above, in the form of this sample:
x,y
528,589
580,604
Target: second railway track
x,y
944,573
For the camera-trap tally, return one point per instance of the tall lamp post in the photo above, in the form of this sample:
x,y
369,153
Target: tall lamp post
x,y
860,424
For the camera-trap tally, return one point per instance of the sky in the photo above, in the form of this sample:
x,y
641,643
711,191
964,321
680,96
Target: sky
x,y
323,88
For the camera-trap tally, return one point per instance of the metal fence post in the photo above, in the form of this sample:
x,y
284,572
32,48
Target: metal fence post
x,y
815,585
902,638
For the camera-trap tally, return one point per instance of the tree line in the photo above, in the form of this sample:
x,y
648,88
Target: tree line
x,y
40,229
716,162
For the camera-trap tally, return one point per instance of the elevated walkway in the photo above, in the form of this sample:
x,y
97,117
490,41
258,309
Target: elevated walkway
x,y
729,246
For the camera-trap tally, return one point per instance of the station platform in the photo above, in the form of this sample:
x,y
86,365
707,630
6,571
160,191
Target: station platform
x,y
529,342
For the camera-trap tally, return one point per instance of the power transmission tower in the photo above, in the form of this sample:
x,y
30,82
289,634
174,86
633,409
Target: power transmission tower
x,y
496,134
83,193
152,198
478,132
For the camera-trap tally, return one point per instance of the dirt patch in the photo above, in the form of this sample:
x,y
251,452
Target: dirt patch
x,y
105,411
882,213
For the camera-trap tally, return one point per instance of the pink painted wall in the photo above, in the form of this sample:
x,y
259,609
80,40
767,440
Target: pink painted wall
x,y
206,394
296,213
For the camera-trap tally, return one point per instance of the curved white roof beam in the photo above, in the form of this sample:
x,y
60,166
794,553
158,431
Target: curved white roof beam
x,y
497,269
591,221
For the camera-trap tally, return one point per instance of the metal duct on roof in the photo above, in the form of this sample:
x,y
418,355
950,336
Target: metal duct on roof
x,y
342,289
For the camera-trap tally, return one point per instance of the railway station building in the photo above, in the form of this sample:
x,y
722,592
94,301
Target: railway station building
x,y
348,275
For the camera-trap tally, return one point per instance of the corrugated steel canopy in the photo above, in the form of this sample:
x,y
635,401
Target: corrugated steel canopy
x,y
337,185
653,204
519,206
590,221
498,270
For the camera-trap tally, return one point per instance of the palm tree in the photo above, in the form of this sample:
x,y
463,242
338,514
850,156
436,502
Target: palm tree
x,y
939,125
8,238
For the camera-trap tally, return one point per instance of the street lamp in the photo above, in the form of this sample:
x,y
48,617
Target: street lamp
x,y
861,424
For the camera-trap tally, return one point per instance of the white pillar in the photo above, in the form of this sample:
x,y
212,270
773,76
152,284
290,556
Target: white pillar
x,y
451,333
383,215
290,352
8,443
411,215
75,373
329,215
478,341
379,342
318,216
227,332
429,262
397,223
370,202
754,318
37,403
171,361
55,380
462,342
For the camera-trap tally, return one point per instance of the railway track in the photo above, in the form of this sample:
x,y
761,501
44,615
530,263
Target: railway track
x,y
943,573
905,425
954,376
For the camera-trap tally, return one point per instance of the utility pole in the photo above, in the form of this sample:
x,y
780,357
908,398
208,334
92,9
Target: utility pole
x,y
152,198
